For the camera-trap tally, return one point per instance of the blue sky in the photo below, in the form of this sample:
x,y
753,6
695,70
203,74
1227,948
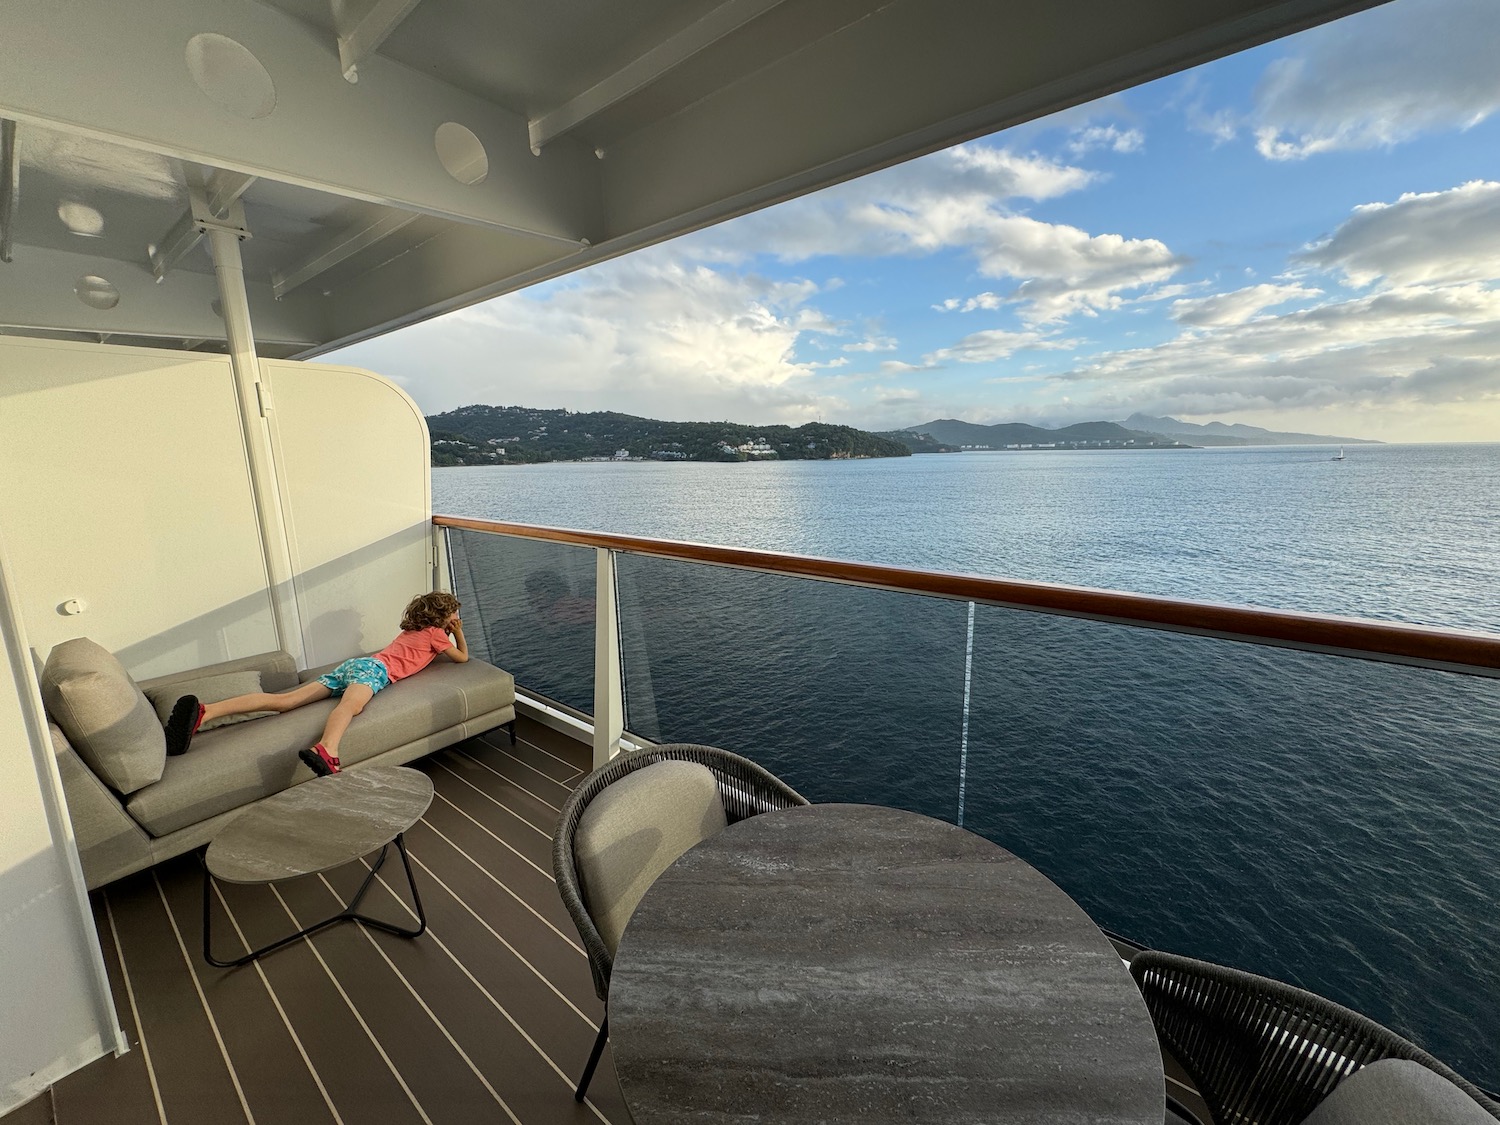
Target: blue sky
x,y
1305,236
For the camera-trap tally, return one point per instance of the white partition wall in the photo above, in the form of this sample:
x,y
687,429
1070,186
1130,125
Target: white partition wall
x,y
352,457
127,493
127,515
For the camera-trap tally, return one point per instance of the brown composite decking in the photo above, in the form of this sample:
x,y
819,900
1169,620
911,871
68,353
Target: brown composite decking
x,y
488,1017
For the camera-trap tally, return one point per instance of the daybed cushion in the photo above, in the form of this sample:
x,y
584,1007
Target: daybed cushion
x,y
633,830
105,716
227,768
208,689
1397,1092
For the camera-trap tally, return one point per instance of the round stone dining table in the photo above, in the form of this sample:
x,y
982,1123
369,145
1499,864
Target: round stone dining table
x,y
861,963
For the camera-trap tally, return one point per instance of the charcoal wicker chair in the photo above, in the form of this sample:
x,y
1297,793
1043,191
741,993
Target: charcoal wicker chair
x,y
745,789
1261,1051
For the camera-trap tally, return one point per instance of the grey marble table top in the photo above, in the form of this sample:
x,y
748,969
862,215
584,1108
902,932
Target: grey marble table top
x,y
858,963
319,825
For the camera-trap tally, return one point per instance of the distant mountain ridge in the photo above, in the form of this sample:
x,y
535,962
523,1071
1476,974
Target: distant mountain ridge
x,y
953,431
1139,431
1239,432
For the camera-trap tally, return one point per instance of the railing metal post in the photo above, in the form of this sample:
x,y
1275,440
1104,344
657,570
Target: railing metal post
x,y
609,696
442,579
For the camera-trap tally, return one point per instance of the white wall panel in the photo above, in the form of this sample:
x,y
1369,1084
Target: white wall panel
x,y
353,454
126,487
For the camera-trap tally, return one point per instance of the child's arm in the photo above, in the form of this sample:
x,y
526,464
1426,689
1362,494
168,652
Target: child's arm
x,y
460,650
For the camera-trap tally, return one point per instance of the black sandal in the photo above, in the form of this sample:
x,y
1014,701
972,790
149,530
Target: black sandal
x,y
183,723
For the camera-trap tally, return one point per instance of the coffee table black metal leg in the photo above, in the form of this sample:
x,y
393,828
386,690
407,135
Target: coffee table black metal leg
x,y
388,927
350,913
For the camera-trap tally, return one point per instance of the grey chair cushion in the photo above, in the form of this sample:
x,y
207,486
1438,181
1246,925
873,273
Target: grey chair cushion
x,y
633,830
208,689
1397,1092
104,715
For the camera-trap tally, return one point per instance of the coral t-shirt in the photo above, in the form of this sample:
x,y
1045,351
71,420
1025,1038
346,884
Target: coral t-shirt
x,y
413,651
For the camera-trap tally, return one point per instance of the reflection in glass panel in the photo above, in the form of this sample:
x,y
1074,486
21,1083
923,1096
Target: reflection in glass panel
x,y
847,694
1322,820
529,608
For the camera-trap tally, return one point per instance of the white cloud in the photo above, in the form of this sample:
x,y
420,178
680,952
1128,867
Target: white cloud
x,y
644,335
1381,77
913,208
873,344
1237,307
1416,345
1110,137
957,199
985,300
1441,236
985,347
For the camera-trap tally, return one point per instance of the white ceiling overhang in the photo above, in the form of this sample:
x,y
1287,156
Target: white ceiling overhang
x,y
347,130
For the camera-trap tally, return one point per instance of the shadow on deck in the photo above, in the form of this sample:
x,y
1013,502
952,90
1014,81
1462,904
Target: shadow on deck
x,y
489,1016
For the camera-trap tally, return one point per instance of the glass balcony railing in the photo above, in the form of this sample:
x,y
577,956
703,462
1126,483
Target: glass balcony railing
x,y
1274,805
529,608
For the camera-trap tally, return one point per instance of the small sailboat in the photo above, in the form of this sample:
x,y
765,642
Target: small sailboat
x,y
1340,456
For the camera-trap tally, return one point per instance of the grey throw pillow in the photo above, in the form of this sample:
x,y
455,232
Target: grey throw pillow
x,y
209,689
102,712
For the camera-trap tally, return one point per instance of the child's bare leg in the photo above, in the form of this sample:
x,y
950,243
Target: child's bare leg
x,y
353,702
266,701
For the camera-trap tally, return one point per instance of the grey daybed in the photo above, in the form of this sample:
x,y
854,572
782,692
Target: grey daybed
x,y
132,806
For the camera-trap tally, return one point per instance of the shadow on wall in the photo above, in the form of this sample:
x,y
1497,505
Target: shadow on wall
x,y
331,635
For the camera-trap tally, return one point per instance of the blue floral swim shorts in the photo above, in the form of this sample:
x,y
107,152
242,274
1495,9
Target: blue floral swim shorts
x,y
358,670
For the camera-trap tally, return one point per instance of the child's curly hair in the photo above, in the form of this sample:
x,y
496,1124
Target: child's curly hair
x,y
427,610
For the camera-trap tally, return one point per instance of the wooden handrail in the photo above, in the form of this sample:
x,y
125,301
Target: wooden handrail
x,y
1456,650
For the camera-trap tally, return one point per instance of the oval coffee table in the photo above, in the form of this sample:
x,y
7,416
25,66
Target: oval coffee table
x,y
859,963
315,827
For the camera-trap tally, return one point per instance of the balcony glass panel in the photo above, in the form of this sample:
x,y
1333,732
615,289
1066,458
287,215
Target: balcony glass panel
x,y
1323,820
847,694
528,607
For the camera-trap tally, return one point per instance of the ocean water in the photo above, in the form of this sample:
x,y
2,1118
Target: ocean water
x,y
1326,821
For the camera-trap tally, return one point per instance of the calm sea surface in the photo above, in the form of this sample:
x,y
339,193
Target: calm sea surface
x,y
1327,821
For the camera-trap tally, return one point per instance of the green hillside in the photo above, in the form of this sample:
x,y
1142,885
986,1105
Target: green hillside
x,y
519,435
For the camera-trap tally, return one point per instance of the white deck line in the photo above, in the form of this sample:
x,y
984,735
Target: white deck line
x,y
516,953
135,1012
499,1007
354,1011
480,825
491,877
491,797
433,1016
511,781
213,1024
505,750
280,1011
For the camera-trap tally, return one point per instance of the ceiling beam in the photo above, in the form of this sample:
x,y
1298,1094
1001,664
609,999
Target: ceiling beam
x,y
224,188
217,199
181,306
640,73
359,38
341,247
373,142
10,186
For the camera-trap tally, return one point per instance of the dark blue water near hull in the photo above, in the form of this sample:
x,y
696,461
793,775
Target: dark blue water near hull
x,y
1326,821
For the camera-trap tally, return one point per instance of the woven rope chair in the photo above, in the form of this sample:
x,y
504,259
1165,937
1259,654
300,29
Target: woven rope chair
x,y
746,790
1262,1052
